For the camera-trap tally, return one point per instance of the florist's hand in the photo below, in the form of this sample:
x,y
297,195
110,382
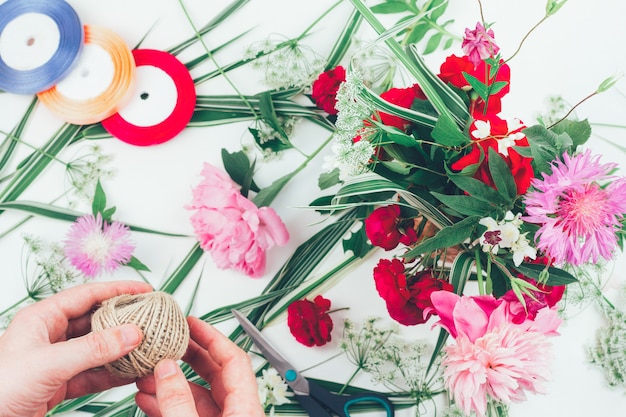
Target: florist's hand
x,y
47,353
218,361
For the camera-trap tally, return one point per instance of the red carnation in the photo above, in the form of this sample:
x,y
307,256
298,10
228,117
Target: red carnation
x,y
403,97
385,229
407,297
324,91
309,321
452,71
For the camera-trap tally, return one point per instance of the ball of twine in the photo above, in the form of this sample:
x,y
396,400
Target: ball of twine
x,y
165,330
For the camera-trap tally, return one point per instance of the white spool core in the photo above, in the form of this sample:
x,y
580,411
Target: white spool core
x,y
154,98
29,41
93,74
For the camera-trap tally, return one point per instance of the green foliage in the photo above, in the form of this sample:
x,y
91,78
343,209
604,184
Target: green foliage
x,y
425,25
238,167
545,147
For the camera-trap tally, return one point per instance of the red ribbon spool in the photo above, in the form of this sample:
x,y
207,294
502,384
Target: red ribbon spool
x,y
177,120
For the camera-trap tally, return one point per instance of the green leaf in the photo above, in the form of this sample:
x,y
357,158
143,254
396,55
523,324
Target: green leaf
x,y
391,6
107,214
357,243
461,270
418,32
328,179
268,113
58,213
446,237
578,130
478,86
433,43
501,175
447,133
465,204
99,202
180,273
269,193
237,165
556,276
480,190
137,265
546,146
344,41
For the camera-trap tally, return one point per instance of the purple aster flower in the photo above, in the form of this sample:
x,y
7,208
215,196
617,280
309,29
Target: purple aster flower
x,y
579,207
479,44
93,245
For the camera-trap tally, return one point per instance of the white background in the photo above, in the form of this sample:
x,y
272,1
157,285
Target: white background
x,y
569,55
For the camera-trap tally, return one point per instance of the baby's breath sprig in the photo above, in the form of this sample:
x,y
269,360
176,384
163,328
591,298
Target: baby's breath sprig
x,y
284,63
84,172
360,344
45,271
402,365
609,351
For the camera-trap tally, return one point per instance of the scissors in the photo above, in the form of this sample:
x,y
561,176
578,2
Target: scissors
x,y
316,400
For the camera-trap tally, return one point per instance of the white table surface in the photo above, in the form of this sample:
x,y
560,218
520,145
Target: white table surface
x,y
569,55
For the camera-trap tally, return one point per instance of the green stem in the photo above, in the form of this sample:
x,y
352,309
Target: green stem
x,y
26,298
479,271
519,47
488,281
316,21
212,58
354,374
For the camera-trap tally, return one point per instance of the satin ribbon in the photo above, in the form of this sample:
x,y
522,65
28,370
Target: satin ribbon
x,y
40,41
99,84
135,123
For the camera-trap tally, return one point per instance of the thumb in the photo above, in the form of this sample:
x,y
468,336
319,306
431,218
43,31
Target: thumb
x,y
92,350
173,391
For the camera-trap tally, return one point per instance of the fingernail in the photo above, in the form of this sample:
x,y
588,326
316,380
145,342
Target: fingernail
x,y
166,368
131,336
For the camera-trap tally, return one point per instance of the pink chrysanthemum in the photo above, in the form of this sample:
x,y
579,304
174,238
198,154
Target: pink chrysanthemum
x,y
492,357
93,245
502,365
578,211
479,44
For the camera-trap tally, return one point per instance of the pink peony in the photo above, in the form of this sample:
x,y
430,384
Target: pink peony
x,y
231,227
492,357
93,245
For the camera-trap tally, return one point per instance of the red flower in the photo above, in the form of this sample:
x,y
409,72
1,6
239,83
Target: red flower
x,y
406,298
499,137
547,296
324,91
309,321
403,97
386,229
452,69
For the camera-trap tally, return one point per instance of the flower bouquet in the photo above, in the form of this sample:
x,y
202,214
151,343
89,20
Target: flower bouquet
x,y
488,218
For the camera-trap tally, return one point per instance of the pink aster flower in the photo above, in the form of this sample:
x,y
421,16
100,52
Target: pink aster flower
x,y
479,44
492,357
92,245
578,212
232,228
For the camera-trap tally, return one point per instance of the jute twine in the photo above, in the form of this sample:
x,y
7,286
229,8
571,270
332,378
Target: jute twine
x,y
164,327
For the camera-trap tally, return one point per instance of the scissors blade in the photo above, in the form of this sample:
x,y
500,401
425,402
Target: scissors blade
x,y
297,382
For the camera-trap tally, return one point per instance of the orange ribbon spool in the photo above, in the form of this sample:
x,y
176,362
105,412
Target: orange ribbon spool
x,y
101,82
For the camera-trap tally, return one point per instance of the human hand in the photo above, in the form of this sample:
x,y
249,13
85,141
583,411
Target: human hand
x,y
47,353
218,361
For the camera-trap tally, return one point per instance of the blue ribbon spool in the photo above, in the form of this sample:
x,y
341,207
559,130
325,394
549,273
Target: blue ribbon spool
x,y
20,36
